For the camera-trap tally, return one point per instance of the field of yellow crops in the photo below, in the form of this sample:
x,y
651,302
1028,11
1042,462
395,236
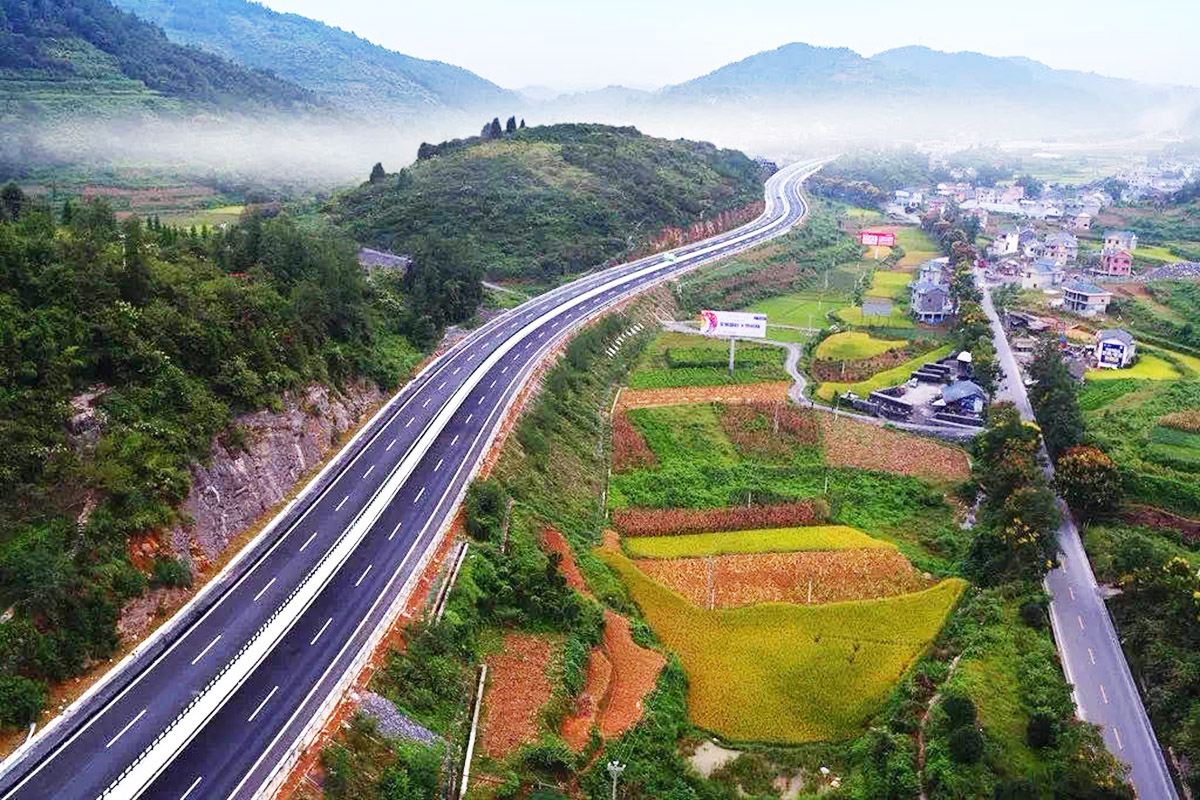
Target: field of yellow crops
x,y
769,540
789,673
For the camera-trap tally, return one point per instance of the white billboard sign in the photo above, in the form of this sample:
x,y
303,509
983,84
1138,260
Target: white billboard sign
x,y
734,324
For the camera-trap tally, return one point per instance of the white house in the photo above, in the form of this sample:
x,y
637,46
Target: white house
x,y
1121,240
1006,243
1041,274
1061,246
1115,348
1085,299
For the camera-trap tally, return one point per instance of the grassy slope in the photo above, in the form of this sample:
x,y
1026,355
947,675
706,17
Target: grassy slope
x,y
787,673
771,540
853,345
551,200
892,285
852,315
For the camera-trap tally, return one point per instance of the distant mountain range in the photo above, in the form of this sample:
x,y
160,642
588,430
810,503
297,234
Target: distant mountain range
x,y
333,64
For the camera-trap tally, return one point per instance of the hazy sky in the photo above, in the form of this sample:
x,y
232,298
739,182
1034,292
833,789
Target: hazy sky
x,y
574,44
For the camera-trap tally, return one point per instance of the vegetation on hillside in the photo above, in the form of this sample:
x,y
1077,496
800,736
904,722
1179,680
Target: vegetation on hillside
x,y
543,202
337,65
36,42
173,332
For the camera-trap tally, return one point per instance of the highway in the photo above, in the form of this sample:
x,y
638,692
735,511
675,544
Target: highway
x,y
1091,654
215,713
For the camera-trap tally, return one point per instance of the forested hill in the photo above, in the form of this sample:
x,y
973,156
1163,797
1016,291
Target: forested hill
x,y
71,56
335,64
541,202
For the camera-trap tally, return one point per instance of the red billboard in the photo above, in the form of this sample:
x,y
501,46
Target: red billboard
x,y
876,239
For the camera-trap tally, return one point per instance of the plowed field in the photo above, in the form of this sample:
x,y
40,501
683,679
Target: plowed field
x,y
851,443
518,687
806,577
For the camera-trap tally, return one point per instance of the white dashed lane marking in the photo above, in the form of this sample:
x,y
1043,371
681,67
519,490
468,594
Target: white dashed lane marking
x,y
270,694
318,636
205,650
121,732
360,577
263,589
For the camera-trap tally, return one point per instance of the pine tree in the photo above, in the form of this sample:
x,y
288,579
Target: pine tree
x,y
496,131
522,125
377,173
511,125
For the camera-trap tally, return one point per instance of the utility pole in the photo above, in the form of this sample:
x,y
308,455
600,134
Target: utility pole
x,y
615,768
731,341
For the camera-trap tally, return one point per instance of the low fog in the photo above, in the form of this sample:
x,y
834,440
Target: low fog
x,y
327,152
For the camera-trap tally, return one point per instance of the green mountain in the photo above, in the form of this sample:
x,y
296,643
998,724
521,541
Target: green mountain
x,y
540,202
61,57
337,65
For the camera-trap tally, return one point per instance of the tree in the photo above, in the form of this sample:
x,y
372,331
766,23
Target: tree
x,y
959,708
1029,520
21,700
511,125
522,125
378,173
966,745
12,201
486,506
1033,186
1088,481
495,131
1055,399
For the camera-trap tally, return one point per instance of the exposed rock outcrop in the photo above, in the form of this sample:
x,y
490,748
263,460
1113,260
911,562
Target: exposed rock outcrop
x,y
237,485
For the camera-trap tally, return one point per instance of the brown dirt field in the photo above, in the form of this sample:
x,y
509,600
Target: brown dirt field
x,y
555,542
851,443
1158,518
745,579
737,393
577,728
635,670
517,689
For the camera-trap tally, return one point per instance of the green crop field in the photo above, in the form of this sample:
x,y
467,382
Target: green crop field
x,y
852,315
1148,368
1161,464
779,333
853,345
892,285
676,360
803,309
685,432
769,540
785,673
918,247
882,380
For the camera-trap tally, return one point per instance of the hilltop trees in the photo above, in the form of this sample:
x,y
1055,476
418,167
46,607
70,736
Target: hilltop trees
x,y
377,173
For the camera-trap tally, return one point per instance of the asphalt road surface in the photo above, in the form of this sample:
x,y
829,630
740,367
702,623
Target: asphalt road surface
x,y
1087,642
459,400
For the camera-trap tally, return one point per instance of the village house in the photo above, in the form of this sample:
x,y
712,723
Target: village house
x,y
1007,242
1041,274
1081,222
1061,246
935,271
1013,194
1115,349
1115,262
1029,244
984,194
1124,240
962,397
931,303
1085,299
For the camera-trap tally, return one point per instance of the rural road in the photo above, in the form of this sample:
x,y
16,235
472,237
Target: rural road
x,y
224,701
1091,654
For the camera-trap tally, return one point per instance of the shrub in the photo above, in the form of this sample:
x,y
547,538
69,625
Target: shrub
x,y
959,708
1042,730
575,666
630,450
1033,612
486,505
171,572
21,699
966,745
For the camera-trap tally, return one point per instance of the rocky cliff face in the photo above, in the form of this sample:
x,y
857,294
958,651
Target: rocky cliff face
x,y
237,486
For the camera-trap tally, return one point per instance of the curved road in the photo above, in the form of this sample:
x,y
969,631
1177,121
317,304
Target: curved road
x,y
218,709
1091,654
